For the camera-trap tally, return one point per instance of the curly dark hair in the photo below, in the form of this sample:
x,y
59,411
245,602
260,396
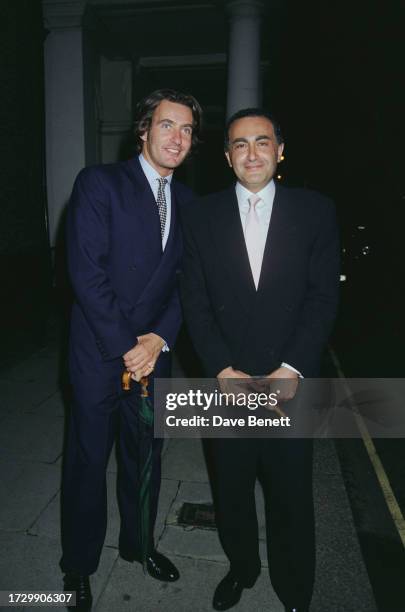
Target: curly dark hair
x,y
145,108
253,112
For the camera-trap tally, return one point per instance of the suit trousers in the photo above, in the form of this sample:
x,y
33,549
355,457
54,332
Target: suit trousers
x,y
93,427
284,467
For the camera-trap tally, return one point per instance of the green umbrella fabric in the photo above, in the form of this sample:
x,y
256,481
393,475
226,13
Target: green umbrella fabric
x,y
145,441
145,467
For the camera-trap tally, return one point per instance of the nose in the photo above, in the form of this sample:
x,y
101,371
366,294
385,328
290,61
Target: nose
x,y
176,136
252,153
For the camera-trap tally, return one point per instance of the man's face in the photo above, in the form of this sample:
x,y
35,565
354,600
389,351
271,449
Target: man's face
x,y
168,140
253,151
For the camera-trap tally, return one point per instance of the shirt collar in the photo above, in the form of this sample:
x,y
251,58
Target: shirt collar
x,y
151,174
266,195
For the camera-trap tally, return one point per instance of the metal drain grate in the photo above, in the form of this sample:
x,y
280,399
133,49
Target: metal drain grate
x,y
197,515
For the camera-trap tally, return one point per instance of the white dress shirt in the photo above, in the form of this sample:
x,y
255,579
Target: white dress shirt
x,y
264,209
153,177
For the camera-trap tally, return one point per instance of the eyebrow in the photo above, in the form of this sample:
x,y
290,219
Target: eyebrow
x,y
261,137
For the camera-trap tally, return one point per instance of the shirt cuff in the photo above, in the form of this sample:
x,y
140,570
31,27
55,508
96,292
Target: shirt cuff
x,y
165,348
287,365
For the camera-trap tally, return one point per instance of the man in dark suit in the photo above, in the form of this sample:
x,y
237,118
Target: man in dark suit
x,y
124,249
259,289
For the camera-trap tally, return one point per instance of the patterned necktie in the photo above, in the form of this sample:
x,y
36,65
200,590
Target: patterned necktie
x,y
162,204
253,239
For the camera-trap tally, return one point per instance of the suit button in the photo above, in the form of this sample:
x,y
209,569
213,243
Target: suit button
x,y
132,268
221,308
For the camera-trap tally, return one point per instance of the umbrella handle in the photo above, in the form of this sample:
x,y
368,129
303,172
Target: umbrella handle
x,y
126,383
126,380
144,384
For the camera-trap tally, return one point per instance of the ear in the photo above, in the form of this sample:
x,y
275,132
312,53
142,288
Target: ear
x,y
144,136
280,150
228,158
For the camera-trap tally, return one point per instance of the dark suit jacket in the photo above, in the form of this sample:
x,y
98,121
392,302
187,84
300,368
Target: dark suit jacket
x,y
124,285
290,317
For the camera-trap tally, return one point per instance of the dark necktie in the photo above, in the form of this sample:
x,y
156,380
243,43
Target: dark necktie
x,y
162,204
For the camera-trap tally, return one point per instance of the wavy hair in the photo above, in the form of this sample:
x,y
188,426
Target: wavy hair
x,y
145,108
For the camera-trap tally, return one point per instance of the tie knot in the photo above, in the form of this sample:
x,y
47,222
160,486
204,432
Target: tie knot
x,y
162,182
253,200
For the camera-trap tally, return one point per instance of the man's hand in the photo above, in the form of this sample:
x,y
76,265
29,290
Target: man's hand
x,y
231,373
140,374
288,382
141,359
225,378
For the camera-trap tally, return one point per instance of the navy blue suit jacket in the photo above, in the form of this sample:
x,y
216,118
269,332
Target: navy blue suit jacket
x,y
124,284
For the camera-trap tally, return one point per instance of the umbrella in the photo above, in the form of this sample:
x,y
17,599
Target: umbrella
x,y
145,438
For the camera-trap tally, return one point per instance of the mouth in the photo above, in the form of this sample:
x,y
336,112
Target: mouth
x,y
253,168
173,151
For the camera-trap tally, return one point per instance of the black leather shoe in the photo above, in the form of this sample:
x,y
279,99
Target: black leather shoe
x,y
229,591
161,568
80,584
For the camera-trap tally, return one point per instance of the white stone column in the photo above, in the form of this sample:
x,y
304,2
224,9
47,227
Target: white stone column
x,y
115,107
64,103
244,88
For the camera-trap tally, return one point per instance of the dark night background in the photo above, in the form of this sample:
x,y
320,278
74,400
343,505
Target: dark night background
x,y
332,76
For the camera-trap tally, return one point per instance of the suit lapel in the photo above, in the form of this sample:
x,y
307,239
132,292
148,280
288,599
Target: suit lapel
x,y
227,231
144,206
163,262
278,238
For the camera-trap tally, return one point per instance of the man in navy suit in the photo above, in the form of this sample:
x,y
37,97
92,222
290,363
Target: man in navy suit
x,y
259,288
124,249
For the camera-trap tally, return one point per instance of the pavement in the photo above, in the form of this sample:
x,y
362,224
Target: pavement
x,y
32,424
